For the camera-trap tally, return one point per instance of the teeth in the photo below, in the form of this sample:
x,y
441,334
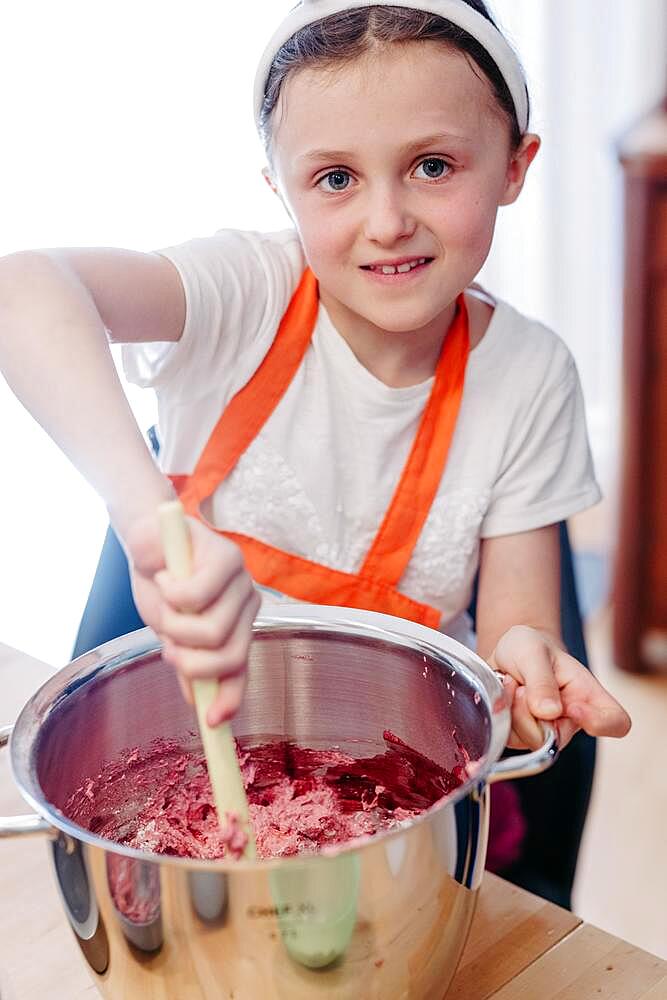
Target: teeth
x,y
401,269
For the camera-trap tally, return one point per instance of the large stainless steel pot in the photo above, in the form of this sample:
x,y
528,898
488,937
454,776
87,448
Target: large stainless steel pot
x,y
386,919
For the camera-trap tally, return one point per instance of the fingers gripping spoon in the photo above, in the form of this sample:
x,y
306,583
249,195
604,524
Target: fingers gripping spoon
x,y
218,742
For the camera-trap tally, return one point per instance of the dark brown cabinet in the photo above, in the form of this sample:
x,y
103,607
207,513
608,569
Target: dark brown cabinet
x,y
640,578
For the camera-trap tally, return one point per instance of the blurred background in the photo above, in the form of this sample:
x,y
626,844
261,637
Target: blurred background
x,y
130,124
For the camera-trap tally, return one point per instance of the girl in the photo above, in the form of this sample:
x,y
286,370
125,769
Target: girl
x,y
347,419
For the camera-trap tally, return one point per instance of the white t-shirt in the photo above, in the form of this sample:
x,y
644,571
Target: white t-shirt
x,y
318,479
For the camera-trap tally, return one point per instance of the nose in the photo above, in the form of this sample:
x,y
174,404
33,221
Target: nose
x,y
388,218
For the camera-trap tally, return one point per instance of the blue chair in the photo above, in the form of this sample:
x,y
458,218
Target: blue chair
x,y
554,803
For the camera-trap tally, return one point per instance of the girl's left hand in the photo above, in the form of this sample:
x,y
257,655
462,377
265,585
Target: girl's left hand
x,y
546,683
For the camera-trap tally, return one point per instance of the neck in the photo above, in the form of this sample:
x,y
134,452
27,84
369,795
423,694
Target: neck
x,y
396,359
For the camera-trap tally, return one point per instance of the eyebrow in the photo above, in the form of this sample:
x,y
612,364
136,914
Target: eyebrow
x,y
336,155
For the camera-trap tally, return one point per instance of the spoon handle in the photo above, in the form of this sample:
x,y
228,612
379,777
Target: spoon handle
x,y
218,742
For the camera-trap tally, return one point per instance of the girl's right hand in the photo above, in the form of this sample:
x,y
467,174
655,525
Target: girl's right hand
x,y
204,621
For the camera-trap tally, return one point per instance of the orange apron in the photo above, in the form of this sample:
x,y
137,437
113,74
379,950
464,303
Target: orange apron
x,y
374,587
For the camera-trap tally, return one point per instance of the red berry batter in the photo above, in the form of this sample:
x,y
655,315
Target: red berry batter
x,y
301,800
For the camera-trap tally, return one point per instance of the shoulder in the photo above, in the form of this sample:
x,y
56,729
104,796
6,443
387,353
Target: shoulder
x,y
520,350
237,284
232,246
238,277
282,245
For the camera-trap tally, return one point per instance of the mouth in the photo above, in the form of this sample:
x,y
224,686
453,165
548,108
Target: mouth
x,y
402,266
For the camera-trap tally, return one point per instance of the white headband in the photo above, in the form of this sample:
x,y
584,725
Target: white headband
x,y
456,11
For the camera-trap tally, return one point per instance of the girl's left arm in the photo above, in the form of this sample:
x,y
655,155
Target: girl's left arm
x,y
518,633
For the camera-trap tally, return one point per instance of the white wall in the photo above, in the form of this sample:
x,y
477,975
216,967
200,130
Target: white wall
x,y
129,124
594,67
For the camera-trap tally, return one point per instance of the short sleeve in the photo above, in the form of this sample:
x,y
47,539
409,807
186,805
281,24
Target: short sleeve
x,y
237,285
547,470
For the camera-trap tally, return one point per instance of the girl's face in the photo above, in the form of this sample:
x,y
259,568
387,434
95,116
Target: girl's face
x,y
398,160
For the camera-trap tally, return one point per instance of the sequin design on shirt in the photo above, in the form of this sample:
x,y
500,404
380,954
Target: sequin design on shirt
x,y
445,557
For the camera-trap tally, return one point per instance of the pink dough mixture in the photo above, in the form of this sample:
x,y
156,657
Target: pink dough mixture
x,y
301,800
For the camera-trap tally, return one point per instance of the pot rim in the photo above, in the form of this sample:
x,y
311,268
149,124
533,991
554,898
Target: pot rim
x,y
314,618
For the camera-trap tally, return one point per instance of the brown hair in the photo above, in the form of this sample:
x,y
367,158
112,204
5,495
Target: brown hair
x,y
343,37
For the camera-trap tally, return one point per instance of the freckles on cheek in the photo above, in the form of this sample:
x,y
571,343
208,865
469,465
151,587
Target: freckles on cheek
x,y
469,227
315,243
324,226
320,239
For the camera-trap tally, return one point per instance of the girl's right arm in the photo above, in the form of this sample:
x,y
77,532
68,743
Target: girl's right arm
x,y
57,310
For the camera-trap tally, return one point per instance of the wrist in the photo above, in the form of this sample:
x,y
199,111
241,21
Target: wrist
x,y
138,502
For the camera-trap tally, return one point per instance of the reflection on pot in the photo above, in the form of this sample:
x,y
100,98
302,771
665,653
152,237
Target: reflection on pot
x,y
69,865
472,831
316,907
208,892
135,892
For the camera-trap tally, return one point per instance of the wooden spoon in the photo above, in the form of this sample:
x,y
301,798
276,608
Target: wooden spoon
x,y
218,742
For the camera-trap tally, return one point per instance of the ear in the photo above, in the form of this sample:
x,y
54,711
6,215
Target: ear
x,y
268,177
520,160
273,184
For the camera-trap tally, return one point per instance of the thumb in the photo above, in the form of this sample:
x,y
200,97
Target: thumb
x,y
600,720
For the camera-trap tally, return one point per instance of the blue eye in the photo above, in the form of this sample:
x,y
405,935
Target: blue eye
x,y
434,168
336,180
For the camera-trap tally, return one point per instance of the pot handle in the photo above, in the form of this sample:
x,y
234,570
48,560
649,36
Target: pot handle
x,y
14,826
526,764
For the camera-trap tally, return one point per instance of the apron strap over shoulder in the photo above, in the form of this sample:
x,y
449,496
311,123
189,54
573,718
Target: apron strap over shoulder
x,y
251,407
394,543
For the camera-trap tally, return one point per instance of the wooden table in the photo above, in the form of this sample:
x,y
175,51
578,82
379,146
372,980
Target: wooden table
x,y
520,947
